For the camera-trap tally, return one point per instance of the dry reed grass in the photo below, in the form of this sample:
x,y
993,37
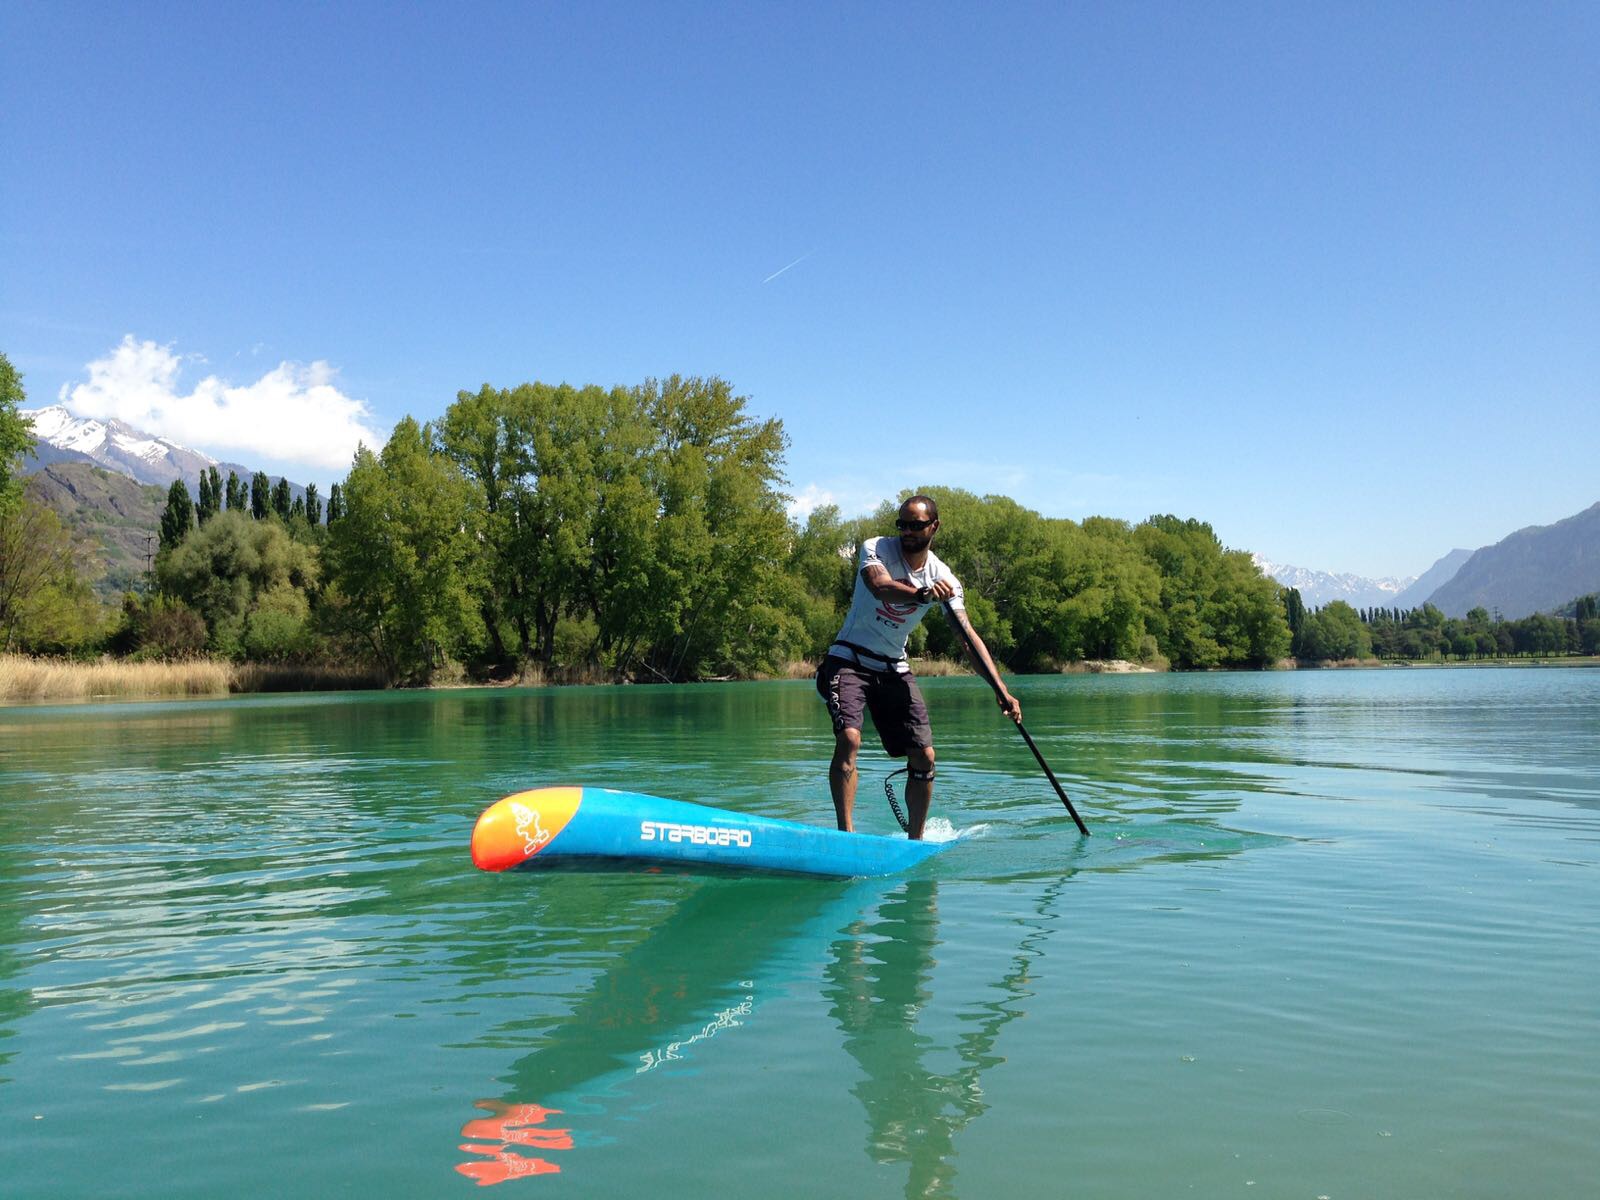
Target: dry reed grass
x,y
534,674
24,679
932,668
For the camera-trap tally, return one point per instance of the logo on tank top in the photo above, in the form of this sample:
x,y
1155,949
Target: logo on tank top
x,y
895,614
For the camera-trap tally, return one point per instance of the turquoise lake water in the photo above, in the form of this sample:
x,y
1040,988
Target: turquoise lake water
x,y
1334,935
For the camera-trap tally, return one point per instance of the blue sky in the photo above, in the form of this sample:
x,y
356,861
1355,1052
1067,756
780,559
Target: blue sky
x,y
1327,276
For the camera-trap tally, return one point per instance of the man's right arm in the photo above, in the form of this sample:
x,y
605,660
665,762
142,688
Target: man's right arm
x,y
885,587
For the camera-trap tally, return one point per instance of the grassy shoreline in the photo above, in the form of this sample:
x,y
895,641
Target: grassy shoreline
x,y
26,680
34,680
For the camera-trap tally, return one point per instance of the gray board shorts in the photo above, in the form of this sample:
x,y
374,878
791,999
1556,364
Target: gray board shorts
x,y
892,697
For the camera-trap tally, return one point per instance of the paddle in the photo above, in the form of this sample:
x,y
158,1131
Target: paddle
x,y
1049,774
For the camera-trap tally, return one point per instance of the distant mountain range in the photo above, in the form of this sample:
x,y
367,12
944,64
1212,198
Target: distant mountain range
x,y
1538,569
120,515
117,446
1431,580
1318,588
109,481
1542,568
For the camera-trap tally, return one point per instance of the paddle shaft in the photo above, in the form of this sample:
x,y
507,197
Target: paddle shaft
x,y
1022,729
1051,776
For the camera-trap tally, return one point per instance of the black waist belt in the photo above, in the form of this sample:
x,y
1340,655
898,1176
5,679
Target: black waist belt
x,y
889,664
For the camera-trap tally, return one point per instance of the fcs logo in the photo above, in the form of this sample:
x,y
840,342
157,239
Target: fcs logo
x,y
895,613
533,834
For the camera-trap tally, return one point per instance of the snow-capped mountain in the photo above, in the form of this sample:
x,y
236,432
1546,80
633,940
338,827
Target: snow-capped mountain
x,y
119,447
1323,587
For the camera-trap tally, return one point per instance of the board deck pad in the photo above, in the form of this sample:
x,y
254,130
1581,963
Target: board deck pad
x,y
554,825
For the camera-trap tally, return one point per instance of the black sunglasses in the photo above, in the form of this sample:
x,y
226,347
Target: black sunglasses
x,y
911,526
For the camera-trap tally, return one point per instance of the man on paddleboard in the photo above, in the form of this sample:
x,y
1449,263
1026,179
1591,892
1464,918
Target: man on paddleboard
x,y
866,668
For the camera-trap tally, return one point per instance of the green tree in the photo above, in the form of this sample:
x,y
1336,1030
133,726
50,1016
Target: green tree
x,y
1294,611
177,519
716,473
1109,591
210,499
1217,609
1589,636
627,535
313,505
16,434
282,499
335,503
260,495
45,603
821,568
162,628
476,433
233,570
238,494
648,516
401,561
1335,632
1249,617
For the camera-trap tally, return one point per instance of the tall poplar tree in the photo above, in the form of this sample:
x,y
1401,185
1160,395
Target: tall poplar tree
x,y
209,502
1294,610
178,516
260,496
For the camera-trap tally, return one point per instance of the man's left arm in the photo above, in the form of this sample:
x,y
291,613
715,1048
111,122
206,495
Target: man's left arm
x,y
979,653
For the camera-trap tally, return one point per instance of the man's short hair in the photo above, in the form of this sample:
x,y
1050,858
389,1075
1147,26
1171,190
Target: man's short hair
x,y
928,502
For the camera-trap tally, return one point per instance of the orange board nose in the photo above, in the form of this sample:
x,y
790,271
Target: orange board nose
x,y
513,829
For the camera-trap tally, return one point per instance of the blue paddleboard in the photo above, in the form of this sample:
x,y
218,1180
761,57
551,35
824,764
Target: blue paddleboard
x,y
566,824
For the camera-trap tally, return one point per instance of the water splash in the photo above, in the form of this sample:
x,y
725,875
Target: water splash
x,y
939,829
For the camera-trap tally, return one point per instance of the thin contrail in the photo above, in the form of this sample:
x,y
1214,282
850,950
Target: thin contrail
x,y
781,270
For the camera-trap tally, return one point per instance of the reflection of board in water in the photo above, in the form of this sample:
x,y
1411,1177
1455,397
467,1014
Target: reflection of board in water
x,y
693,980
704,972
556,825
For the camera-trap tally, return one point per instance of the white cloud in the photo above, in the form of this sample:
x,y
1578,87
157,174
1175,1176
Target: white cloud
x,y
294,413
809,500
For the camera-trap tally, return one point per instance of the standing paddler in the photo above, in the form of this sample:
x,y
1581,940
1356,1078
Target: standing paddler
x,y
866,667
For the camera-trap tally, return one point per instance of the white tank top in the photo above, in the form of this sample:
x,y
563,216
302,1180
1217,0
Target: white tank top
x,y
883,627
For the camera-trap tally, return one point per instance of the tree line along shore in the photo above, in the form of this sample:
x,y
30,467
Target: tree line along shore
x,y
545,534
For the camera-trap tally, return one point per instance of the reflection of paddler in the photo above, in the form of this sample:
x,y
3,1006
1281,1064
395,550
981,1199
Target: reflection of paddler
x,y
689,981
879,981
